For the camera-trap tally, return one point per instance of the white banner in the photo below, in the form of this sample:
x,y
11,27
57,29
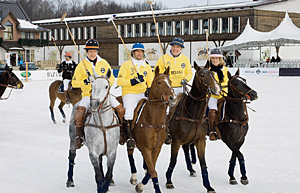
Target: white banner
x,y
256,71
39,75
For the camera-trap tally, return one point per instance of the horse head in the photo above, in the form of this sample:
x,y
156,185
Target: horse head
x,y
161,88
100,92
10,79
204,80
238,88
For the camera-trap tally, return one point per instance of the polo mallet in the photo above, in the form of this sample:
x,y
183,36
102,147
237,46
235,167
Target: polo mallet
x,y
207,34
61,20
57,49
156,29
111,19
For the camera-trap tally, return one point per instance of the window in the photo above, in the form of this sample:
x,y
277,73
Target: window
x,y
81,33
32,35
29,55
205,25
144,28
47,35
152,30
215,25
122,31
63,34
8,31
225,25
186,27
161,28
169,28
57,34
137,30
177,28
195,27
27,35
52,34
129,30
76,33
23,35
88,33
95,32
235,24
41,35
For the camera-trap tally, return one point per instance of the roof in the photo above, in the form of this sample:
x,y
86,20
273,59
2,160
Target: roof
x,y
182,11
26,25
15,8
10,44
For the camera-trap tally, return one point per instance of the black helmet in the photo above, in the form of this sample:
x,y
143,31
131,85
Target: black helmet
x,y
91,45
216,52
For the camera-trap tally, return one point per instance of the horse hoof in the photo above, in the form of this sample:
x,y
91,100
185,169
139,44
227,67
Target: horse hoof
x,y
139,188
64,120
193,174
170,186
112,182
233,182
70,183
244,181
54,122
133,179
211,191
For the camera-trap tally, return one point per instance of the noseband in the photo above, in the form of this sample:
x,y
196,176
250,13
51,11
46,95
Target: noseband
x,y
243,95
164,97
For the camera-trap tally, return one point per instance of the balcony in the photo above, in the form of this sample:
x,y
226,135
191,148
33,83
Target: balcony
x,y
33,42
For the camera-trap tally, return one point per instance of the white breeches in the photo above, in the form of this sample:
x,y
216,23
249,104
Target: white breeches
x,y
85,102
178,90
213,103
66,84
130,101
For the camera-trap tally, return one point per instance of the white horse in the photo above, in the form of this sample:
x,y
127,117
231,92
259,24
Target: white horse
x,y
102,132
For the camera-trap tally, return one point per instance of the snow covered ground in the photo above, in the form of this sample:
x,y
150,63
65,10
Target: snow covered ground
x,y
34,151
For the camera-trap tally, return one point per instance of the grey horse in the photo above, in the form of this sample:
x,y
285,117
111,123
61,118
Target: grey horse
x,y
102,132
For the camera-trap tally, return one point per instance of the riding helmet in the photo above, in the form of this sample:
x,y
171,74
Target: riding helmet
x,y
216,52
177,41
92,45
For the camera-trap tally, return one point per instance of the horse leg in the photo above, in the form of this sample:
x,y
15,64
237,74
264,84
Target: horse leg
x,y
97,164
232,162
52,101
193,153
72,155
174,152
189,166
200,145
109,174
60,107
133,178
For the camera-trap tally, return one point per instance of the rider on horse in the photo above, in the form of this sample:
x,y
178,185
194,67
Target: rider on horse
x,y
217,66
135,81
180,68
83,77
67,67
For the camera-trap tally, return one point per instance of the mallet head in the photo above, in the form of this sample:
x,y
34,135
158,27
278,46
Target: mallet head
x,y
63,17
151,2
111,18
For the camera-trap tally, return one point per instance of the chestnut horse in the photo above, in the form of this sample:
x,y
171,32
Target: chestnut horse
x,y
74,95
149,131
188,124
9,80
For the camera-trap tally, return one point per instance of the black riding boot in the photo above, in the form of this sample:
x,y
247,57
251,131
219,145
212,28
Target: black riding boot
x,y
128,131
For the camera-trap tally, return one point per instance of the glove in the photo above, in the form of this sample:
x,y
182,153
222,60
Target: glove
x,y
88,80
184,82
147,92
137,80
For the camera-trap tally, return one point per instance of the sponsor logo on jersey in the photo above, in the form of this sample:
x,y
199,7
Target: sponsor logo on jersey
x,y
145,73
102,70
183,65
176,72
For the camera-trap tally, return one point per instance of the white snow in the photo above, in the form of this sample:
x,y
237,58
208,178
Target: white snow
x,y
34,151
26,24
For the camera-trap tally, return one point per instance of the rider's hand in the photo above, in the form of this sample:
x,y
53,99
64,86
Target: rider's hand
x,y
147,92
137,80
184,82
88,80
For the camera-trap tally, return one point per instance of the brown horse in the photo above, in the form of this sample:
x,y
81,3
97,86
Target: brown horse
x,y
74,94
149,131
188,125
9,80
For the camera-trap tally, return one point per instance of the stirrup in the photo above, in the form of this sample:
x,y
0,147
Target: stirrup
x,y
130,143
213,136
81,141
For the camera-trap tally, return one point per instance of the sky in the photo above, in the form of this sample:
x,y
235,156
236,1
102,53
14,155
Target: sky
x,y
185,3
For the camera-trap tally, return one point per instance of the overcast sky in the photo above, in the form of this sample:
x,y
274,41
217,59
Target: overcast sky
x,y
184,3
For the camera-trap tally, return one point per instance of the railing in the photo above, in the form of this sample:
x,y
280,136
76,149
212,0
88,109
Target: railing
x,y
264,64
33,42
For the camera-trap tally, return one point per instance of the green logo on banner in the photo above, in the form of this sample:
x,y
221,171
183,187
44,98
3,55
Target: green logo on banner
x,y
23,74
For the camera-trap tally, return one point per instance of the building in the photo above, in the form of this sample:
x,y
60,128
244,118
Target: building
x,y
223,22
18,36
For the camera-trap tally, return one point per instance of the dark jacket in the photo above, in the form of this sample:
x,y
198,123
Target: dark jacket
x,y
67,69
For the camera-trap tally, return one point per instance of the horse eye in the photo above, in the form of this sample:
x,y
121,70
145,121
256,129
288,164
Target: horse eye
x,y
202,75
158,82
106,87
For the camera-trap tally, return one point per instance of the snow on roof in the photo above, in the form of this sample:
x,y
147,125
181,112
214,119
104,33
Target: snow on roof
x,y
162,12
26,24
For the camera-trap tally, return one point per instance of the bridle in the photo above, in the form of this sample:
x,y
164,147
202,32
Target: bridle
x,y
164,97
101,107
8,86
243,96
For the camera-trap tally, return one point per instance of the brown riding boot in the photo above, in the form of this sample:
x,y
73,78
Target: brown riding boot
x,y
128,130
121,111
212,114
67,100
79,117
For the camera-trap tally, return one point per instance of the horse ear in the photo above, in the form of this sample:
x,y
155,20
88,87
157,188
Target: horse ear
x,y
108,74
229,74
156,70
96,75
197,68
207,64
237,72
167,72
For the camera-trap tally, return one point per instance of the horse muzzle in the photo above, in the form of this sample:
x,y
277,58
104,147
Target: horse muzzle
x,y
20,86
95,105
216,89
172,100
252,95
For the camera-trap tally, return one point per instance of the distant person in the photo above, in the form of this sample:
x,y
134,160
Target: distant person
x,y
268,60
273,59
67,68
278,59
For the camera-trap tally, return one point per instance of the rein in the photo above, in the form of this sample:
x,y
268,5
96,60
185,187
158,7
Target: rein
x,y
7,86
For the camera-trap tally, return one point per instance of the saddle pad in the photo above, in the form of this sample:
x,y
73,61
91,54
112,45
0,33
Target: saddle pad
x,y
138,110
61,88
